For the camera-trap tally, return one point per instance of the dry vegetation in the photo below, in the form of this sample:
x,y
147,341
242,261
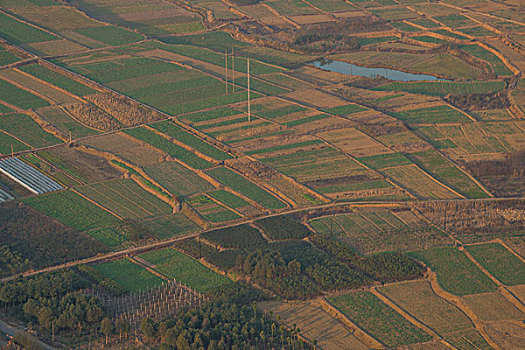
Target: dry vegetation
x,y
125,110
92,116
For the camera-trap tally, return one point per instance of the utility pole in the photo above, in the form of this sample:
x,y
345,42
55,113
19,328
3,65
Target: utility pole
x,y
249,111
233,70
226,70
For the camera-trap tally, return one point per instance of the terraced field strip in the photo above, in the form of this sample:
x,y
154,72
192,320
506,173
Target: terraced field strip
x,y
246,187
126,198
315,324
419,300
378,319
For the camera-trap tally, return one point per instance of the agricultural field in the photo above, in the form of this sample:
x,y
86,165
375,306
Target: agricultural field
x,y
356,164
500,262
315,323
244,237
126,199
72,210
382,230
246,187
456,273
378,319
130,276
420,301
184,269
211,210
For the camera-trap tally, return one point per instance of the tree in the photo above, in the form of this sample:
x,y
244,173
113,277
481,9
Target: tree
x,y
106,326
148,328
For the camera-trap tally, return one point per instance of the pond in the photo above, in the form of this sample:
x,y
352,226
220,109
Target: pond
x,y
352,69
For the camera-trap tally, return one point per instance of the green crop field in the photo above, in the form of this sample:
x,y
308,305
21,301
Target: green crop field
x,y
369,232
381,161
7,57
246,187
8,144
229,199
500,262
125,198
209,56
447,172
439,114
443,88
184,269
110,35
27,130
18,97
455,272
63,122
478,51
172,225
168,147
57,79
128,275
210,210
183,136
243,237
283,227
378,319
178,179
72,210
17,32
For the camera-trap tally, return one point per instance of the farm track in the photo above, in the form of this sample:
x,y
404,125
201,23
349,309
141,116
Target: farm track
x,y
166,243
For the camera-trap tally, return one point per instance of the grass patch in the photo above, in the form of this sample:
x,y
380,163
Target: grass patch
x,y
18,97
501,263
184,269
378,319
455,272
246,187
128,275
57,79
168,147
72,210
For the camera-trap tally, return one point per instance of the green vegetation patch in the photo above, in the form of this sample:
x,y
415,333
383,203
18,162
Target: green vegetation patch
x,y
283,227
229,199
284,147
208,115
438,114
175,131
169,226
455,272
378,319
246,187
243,237
17,32
128,275
110,35
168,147
381,161
8,144
72,210
306,120
447,172
500,262
443,88
7,57
27,130
57,79
18,97
184,269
